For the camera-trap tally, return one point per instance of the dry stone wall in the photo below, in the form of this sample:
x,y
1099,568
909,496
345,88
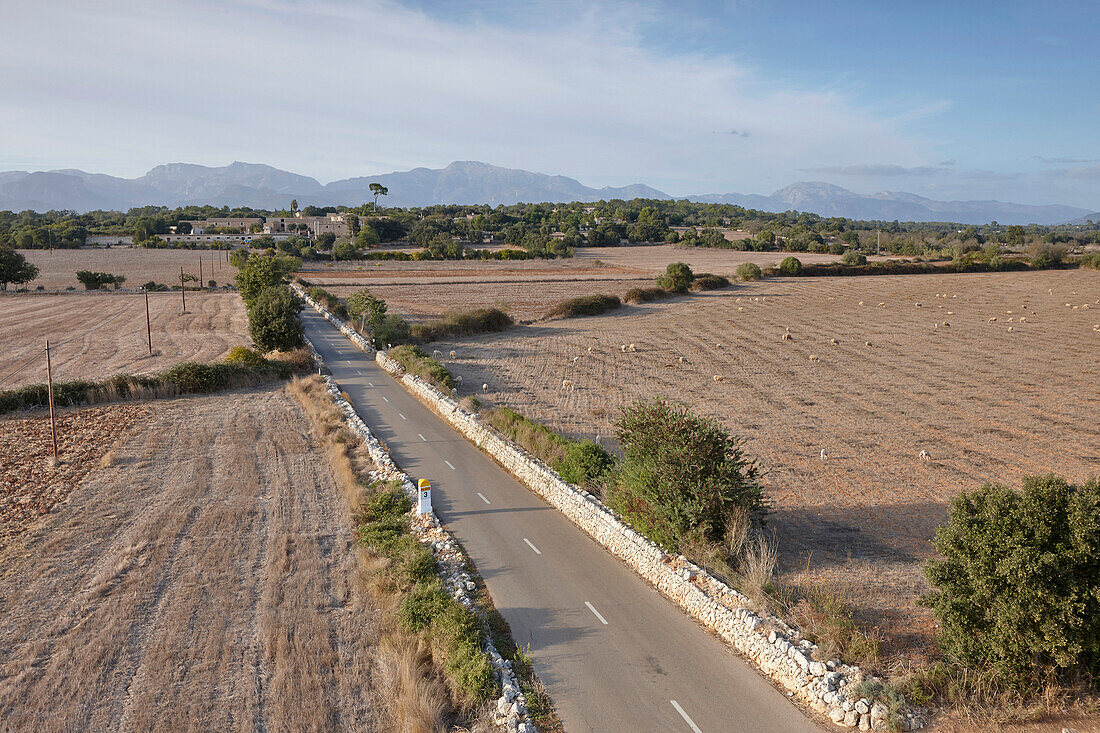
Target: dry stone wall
x,y
776,648
510,709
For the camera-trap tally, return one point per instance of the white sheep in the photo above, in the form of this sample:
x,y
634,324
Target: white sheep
x,y
718,378
788,337
866,343
824,454
575,358
623,348
631,348
683,360
567,384
923,455
484,388
993,319
589,349
437,352
453,356
813,358
458,379
834,342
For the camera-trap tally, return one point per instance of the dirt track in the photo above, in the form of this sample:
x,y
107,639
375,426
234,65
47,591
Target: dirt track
x,y
206,581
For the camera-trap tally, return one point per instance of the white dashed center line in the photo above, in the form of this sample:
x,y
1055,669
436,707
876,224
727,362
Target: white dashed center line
x,y
370,383
385,398
483,498
685,716
449,464
402,416
593,609
422,437
539,552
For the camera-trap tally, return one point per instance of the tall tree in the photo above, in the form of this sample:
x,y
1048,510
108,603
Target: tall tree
x,y
14,268
294,205
378,190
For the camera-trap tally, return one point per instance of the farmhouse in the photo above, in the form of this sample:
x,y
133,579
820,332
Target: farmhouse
x,y
244,224
312,225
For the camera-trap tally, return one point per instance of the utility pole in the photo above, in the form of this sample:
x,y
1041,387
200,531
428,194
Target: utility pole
x,y
148,327
200,272
49,382
183,291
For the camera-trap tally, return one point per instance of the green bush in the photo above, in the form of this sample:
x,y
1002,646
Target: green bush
x,y
425,602
1017,586
749,271
273,321
681,472
1091,261
706,281
585,305
366,308
418,363
260,272
1046,256
584,463
852,258
677,278
393,330
245,356
646,295
464,323
790,266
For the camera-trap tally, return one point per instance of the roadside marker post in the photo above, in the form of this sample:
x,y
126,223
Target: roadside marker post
x,y
424,497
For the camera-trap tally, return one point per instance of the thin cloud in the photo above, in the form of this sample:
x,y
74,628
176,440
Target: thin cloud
x,y
949,161
1064,161
1085,173
877,170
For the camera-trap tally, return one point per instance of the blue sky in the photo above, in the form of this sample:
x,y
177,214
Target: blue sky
x,y
949,100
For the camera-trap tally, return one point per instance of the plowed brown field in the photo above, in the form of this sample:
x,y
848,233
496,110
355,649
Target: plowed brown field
x,y
97,335
987,403
57,269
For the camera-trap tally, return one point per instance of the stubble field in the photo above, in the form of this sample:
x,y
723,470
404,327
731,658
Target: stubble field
x,y
987,403
98,335
204,579
57,269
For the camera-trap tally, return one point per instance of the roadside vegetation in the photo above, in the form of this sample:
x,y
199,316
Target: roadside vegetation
x,y
417,362
462,323
581,462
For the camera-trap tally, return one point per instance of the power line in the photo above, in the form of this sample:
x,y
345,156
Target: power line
x,y
22,366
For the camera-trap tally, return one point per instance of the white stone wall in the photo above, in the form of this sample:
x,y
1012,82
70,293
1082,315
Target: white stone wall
x,y
354,336
773,646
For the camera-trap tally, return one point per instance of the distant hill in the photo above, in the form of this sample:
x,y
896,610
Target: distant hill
x,y
465,182
826,199
1093,217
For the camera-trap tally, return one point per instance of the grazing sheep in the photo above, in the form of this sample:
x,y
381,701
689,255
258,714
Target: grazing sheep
x,y
881,305
631,348
1010,328
1011,319
1023,319
739,308
718,345
923,455
824,454
683,360
453,356
623,348
458,379
861,302
718,378
813,358
567,384
919,305
834,342
484,388
589,349
787,337
946,324
575,359
866,343
992,319
437,352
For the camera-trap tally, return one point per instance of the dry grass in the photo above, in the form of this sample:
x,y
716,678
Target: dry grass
x,y
57,269
986,403
111,331
208,578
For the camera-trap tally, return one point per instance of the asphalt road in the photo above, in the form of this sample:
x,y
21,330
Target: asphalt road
x,y
614,654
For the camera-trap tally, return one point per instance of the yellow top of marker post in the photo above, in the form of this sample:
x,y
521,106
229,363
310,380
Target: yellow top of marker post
x,y
424,484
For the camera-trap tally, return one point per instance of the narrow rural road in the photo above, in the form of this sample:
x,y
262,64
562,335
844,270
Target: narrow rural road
x,y
613,653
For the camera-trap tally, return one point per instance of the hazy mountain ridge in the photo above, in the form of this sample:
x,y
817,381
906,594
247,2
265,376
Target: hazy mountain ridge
x,y
466,182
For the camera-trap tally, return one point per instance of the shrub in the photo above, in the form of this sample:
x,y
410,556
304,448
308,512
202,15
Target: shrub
x,y
537,439
392,330
585,305
418,363
364,307
706,281
645,295
680,472
96,280
677,278
273,321
1046,256
1017,586
1091,261
585,462
464,323
852,258
748,271
790,266
245,356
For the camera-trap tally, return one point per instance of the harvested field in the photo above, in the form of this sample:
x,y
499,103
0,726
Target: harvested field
x,y
98,335
207,578
654,259
30,485
57,269
987,403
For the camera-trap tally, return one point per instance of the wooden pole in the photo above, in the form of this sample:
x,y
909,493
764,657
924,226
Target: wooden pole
x,y
148,327
200,272
49,382
183,290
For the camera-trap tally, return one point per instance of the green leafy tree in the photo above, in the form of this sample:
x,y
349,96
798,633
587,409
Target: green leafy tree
x,y
260,272
790,266
14,268
681,472
345,250
96,280
1017,584
677,278
364,307
326,240
293,205
273,321
367,237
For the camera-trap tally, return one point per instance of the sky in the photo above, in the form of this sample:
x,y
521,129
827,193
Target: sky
x,y
950,100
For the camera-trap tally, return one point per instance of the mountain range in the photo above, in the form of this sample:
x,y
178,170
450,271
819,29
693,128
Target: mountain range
x,y
465,182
